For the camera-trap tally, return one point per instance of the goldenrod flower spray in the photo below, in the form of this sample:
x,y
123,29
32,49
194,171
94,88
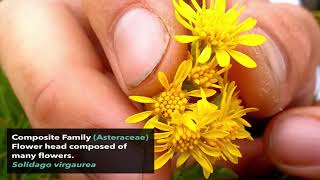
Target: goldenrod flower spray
x,y
199,115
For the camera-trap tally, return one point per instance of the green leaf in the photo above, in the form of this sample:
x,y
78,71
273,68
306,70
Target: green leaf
x,y
222,173
188,173
187,85
194,172
13,116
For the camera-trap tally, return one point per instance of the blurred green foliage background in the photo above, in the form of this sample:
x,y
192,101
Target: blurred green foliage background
x,y
12,116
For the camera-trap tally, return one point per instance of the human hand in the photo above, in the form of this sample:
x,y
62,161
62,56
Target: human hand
x,y
283,90
53,55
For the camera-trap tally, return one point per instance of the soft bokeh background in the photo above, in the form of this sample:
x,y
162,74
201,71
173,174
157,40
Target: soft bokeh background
x,y
13,116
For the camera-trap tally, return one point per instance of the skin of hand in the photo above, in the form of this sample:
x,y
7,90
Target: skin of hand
x,y
58,57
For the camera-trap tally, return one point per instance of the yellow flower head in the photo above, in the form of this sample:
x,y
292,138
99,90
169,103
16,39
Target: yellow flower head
x,y
186,137
172,99
208,75
206,133
230,105
217,31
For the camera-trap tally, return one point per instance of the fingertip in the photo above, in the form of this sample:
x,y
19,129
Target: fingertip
x,y
292,142
281,70
138,40
253,155
263,87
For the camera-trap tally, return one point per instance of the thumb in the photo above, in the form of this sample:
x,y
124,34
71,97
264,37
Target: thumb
x,y
137,39
286,63
292,141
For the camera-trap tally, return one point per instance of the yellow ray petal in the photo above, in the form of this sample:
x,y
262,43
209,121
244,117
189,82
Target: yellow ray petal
x,y
182,159
246,25
209,118
189,66
203,106
160,148
203,94
206,173
162,135
138,117
162,126
205,54
234,13
206,109
233,150
223,100
163,141
220,6
198,151
216,133
211,4
223,58
182,21
231,89
163,159
197,93
223,157
233,8
149,124
192,107
186,13
215,86
247,110
202,161
204,4
211,151
187,9
243,122
243,59
142,99
185,38
163,80
196,5
182,72
232,158
243,135
251,39
190,124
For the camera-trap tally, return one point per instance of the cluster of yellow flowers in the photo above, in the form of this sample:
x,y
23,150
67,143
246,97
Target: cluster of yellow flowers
x,y
199,114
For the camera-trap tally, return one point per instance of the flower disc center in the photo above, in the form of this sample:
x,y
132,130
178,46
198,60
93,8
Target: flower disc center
x,y
172,100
